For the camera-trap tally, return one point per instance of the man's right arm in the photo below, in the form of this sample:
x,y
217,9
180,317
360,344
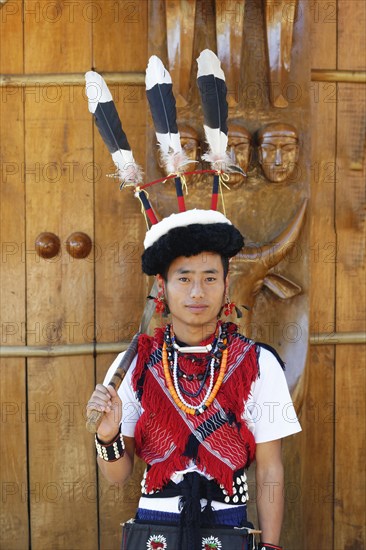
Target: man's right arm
x,y
107,400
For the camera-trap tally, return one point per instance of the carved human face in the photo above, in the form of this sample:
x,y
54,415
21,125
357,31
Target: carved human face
x,y
239,148
190,144
191,147
278,155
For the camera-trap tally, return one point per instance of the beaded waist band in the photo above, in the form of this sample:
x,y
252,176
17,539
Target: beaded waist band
x,y
204,488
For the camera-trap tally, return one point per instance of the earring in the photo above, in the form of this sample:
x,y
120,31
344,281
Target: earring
x,y
161,305
229,307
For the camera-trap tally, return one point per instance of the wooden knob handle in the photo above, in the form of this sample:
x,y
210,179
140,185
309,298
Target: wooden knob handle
x,y
47,245
79,245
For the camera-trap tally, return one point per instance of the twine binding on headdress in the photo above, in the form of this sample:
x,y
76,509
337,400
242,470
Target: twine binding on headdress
x,y
143,196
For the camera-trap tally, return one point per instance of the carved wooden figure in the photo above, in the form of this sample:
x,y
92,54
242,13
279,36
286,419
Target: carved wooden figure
x,y
264,266
180,16
278,150
229,37
191,143
280,17
189,139
262,204
251,269
240,147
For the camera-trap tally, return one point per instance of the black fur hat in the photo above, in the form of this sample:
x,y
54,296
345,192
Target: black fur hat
x,y
188,234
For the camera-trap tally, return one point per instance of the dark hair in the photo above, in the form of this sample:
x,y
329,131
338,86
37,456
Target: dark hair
x,y
222,238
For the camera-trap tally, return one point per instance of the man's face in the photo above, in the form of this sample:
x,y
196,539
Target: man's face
x,y
195,290
278,156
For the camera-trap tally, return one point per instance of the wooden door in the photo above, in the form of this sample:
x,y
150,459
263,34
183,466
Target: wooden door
x,y
54,180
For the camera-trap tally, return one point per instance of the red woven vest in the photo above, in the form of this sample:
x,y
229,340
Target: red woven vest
x,y
218,440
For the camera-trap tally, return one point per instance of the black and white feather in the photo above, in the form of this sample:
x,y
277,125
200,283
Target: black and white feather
x,y
101,105
212,88
159,92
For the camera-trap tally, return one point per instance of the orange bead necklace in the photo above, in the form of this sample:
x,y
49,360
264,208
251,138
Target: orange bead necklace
x,y
169,364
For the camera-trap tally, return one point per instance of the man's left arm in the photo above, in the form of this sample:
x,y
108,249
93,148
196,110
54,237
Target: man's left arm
x,y
270,490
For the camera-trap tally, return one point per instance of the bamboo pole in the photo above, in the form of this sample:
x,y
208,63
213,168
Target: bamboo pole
x,y
62,350
137,78
336,338
321,75
67,79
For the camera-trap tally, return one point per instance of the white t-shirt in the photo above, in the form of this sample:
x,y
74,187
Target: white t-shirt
x,y
269,411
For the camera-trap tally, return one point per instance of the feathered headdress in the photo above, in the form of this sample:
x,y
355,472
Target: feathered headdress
x,y
101,105
212,88
159,91
188,232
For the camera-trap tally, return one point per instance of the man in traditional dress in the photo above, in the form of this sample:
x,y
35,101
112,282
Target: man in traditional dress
x,y
205,401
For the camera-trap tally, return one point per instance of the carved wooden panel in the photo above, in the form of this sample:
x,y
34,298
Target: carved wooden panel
x,y
180,16
230,40
280,19
271,144
263,47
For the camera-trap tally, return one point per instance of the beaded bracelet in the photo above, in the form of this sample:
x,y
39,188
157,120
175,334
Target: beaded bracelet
x,y
267,546
113,450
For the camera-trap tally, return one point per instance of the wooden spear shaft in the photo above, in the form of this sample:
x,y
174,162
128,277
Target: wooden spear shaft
x,y
94,417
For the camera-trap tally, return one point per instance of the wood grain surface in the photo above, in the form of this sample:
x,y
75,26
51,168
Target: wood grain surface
x,y
318,412
120,284
11,38
349,481
53,179
57,35
120,35
14,532
60,309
